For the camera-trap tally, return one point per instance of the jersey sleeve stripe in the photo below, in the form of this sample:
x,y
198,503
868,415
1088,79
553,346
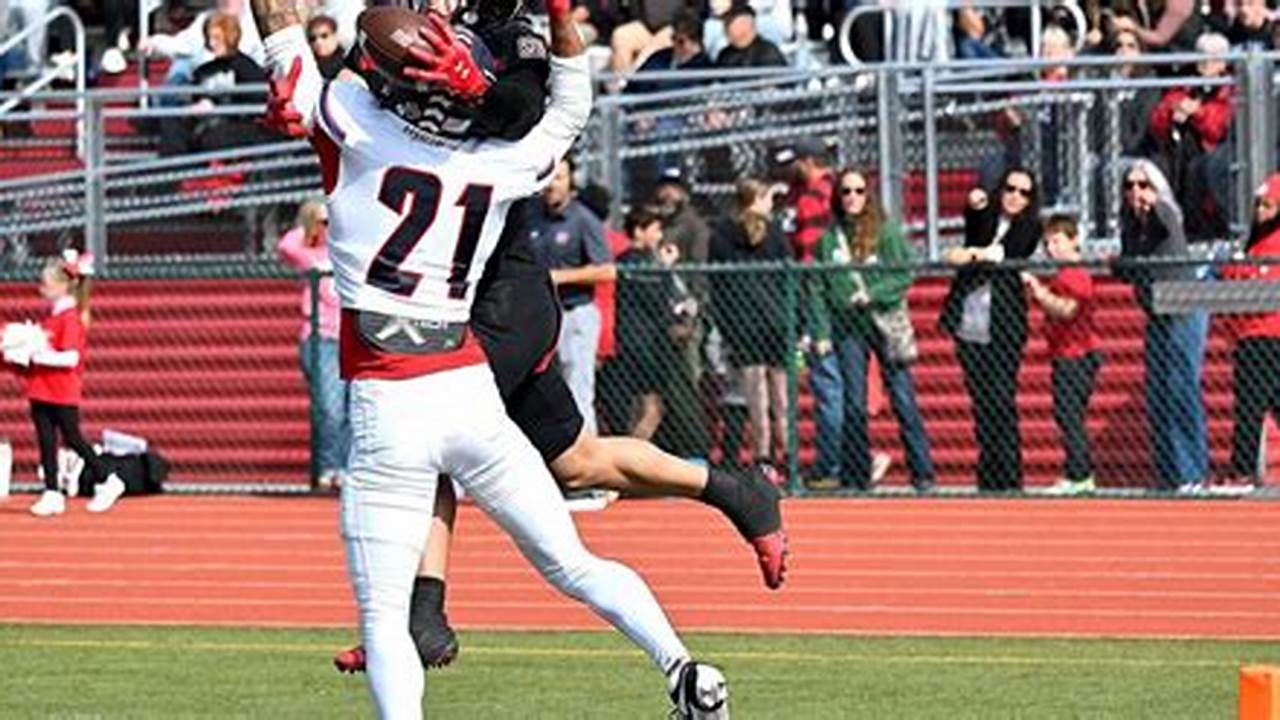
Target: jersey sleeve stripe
x,y
326,116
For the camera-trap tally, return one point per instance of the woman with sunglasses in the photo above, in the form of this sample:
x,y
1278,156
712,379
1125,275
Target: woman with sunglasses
x,y
986,313
862,237
305,248
1151,227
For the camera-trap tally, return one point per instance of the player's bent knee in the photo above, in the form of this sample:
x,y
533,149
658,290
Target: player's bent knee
x,y
585,465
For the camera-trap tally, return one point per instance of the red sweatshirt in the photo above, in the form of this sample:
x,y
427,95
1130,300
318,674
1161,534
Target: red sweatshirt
x,y
1258,325
1211,123
56,385
813,214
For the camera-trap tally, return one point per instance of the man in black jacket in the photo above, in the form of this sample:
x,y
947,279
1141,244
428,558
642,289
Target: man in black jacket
x,y
746,48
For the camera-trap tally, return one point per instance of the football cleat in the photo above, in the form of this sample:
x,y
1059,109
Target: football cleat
x,y
350,661
771,553
433,655
700,692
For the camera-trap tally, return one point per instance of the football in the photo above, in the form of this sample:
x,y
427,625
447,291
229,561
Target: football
x,y
385,34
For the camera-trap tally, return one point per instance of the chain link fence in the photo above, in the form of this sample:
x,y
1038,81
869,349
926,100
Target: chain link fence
x,y
201,360
791,373
732,365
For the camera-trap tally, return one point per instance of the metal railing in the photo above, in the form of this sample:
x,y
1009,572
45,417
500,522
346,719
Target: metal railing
x,y
919,128
936,37
48,76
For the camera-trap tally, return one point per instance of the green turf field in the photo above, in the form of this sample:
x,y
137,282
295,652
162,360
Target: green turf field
x,y
133,672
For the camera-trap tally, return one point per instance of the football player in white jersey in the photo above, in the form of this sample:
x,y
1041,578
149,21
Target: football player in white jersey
x,y
413,218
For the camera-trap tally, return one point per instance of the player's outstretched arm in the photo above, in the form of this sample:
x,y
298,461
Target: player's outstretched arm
x,y
296,79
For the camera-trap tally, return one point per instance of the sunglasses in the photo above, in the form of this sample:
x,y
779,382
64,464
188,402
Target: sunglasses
x,y
1136,184
847,191
1024,192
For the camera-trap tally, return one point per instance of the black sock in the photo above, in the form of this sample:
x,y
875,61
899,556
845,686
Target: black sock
x,y
427,622
750,503
429,592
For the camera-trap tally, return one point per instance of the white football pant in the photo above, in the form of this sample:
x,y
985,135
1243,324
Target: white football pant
x,y
405,433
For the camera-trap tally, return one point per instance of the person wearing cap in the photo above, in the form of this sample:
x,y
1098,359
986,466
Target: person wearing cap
x,y
1256,356
568,240
806,217
746,49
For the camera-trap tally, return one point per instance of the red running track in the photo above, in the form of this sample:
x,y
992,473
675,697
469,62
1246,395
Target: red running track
x,y
983,567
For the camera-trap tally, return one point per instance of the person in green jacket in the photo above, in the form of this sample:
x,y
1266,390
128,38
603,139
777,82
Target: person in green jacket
x,y
842,303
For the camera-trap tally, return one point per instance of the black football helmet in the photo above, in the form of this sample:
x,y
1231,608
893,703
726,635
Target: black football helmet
x,y
472,13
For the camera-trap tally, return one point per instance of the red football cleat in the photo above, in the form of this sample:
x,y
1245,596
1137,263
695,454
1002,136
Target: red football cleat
x,y
771,553
350,661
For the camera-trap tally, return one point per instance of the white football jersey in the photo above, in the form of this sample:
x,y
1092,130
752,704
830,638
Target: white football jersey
x,y
412,219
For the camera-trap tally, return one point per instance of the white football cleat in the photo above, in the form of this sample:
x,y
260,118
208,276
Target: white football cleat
x,y
105,494
699,692
51,502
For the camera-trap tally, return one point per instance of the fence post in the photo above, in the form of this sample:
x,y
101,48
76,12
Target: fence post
x,y
930,165
314,387
95,200
610,147
792,306
889,113
1255,138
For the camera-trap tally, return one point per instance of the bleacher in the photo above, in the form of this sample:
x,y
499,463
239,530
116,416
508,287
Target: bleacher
x,y
207,370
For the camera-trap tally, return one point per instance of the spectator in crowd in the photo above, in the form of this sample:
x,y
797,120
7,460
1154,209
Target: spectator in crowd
x,y
228,68
646,355
1134,107
1256,356
1247,24
651,30
748,309
305,248
188,49
569,241
986,313
1011,122
746,49
805,168
1191,126
773,20
1151,228
1067,302
1172,24
862,237
344,14
684,52
322,36
17,16
969,32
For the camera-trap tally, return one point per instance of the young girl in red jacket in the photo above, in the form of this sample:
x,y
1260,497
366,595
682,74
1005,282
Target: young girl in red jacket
x,y
54,375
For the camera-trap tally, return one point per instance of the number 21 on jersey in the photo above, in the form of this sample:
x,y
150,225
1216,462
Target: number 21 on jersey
x,y
415,195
